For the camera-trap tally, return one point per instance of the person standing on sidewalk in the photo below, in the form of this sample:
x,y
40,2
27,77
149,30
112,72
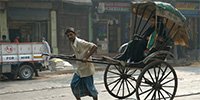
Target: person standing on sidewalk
x,y
47,50
82,83
4,39
16,40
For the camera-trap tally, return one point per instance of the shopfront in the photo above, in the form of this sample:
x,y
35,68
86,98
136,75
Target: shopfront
x,y
111,24
191,9
28,21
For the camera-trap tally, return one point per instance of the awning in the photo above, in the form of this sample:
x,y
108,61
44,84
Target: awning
x,y
78,2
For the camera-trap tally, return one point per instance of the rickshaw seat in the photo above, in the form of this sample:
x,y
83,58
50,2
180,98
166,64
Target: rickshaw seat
x,y
134,51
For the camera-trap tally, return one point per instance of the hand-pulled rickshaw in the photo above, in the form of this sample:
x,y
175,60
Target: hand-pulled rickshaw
x,y
142,68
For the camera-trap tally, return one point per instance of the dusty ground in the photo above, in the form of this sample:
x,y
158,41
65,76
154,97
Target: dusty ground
x,y
196,63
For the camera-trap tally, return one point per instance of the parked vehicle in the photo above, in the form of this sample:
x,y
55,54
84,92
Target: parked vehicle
x,y
20,59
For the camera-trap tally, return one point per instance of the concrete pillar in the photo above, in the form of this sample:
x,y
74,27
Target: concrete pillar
x,y
175,52
3,23
90,25
54,32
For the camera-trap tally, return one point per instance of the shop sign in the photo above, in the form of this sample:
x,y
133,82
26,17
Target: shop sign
x,y
187,6
194,13
113,7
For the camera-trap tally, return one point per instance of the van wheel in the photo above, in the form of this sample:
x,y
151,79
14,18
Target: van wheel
x,y
25,72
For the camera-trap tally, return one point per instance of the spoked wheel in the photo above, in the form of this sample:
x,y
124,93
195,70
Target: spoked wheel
x,y
120,81
157,81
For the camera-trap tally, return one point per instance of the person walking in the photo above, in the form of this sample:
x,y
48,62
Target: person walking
x,y
82,83
16,40
47,50
4,39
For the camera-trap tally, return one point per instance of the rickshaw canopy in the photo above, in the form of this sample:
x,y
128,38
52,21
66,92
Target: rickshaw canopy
x,y
175,19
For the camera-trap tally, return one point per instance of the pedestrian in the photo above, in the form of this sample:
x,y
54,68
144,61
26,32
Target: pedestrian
x,y
82,83
16,40
4,39
137,48
46,50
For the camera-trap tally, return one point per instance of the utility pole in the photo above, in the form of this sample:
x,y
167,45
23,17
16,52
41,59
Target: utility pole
x,y
3,20
198,31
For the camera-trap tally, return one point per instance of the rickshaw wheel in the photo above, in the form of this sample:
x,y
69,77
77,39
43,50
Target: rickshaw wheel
x,y
158,80
120,81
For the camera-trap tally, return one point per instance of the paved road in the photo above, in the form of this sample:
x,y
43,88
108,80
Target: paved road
x,y
56,87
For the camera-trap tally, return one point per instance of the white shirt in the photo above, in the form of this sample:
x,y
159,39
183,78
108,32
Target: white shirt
x,y
46,47
81,46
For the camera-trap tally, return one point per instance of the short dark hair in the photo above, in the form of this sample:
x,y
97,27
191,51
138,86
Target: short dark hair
x,y
3,36
70,29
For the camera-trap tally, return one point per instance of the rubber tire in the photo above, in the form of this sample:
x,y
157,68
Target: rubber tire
x,y
151,66
26,72
110,91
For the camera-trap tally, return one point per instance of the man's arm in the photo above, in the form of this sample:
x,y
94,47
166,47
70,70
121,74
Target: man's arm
x,y
90,52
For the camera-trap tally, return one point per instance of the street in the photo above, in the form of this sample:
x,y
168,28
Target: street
x,y
50,86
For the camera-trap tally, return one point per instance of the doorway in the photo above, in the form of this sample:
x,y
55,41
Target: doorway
x,y
28,31
13,33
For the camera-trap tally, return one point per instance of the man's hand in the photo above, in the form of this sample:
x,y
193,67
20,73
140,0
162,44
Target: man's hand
x,y
72,56
122,63
84,60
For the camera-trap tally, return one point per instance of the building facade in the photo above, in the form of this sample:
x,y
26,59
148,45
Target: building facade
x,y
33,19
191,9
28,20
105,22
77,15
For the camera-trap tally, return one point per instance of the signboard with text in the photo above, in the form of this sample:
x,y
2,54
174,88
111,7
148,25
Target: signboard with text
x,y
18,52
189,8
113,7
9,58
